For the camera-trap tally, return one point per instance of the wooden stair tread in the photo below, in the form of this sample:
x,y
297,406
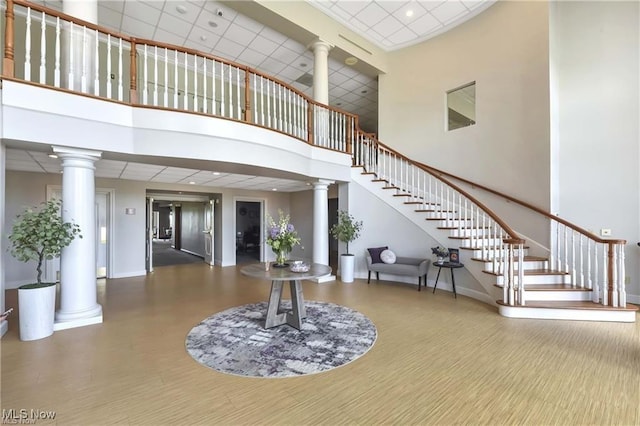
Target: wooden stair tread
x,y
488,248
527,258
467,237
571,304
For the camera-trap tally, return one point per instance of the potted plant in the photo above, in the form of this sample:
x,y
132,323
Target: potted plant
x,y
39,235
346,230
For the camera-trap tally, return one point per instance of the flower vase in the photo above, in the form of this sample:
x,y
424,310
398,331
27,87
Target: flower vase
x,y
281,258
440,260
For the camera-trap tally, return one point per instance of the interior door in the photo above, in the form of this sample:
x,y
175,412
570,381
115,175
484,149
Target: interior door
x,y
149,232
208,232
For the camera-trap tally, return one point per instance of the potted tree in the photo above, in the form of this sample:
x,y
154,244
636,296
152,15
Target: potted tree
x,y
346,230
39,235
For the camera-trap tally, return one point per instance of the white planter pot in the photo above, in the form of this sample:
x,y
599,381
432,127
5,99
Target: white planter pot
x,y
347,265
37,309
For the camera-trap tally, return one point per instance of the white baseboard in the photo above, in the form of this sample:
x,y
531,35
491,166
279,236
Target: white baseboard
x,y
81,322
129,274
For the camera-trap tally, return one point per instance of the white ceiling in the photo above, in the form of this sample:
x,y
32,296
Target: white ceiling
x,y
393,24
196,24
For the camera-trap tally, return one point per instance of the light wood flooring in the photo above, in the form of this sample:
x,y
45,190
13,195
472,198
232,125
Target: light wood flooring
x,y
437,360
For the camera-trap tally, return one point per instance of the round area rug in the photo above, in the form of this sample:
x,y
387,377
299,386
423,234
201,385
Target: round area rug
x,y
235,341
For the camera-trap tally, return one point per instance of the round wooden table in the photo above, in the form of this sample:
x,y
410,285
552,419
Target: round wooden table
x,y
277,276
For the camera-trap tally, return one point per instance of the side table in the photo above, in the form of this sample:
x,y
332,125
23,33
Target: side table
x,y
451,266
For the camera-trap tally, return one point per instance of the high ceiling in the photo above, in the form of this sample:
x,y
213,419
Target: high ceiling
x,y
217,28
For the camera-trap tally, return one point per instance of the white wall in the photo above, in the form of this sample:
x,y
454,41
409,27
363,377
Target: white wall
x,y
505,51
595,60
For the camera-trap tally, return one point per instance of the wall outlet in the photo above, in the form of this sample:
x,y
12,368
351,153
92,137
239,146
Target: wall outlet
x,y
605,232
627,279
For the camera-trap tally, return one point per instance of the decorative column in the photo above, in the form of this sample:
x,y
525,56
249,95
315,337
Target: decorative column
x,y
321,71
80,47
321,226
78,294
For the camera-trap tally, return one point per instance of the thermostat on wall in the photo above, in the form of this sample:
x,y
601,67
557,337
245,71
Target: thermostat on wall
x,y
129,210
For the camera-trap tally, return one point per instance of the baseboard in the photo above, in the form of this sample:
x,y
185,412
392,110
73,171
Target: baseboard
x,y
81,322
192,252
129,274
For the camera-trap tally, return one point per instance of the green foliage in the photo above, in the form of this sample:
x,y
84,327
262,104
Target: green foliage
x,y
347,229
41,234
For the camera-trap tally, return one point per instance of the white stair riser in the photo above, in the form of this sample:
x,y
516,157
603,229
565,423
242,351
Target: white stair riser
x,y
467,232
528,265
489,254
557,295
540,279
567,314
480,242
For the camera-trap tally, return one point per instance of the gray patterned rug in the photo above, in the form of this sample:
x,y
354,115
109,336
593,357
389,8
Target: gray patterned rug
x,y
235,342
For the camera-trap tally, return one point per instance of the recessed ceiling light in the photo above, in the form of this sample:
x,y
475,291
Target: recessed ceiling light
x,y
303,64
216,173
351,60
192,183
53,156
213,24
274,189
409,13
363,92
203,38
181,9
339,103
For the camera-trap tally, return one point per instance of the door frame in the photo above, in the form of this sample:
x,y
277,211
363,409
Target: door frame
x,y
262,202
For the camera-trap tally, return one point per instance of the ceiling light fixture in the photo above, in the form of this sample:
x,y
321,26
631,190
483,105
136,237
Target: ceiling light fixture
x,y
203,38
274,189
409,13
351,60
303,64
363,92
213,24
181,9
53,156
192,183
216,173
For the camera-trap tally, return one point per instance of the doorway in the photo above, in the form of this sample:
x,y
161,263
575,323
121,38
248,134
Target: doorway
x,y
248,230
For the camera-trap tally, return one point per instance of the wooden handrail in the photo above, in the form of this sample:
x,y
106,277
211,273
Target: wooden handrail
x,y
529,206
513,238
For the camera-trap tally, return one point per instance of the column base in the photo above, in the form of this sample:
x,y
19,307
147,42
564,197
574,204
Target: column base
x,y
324,279
65,321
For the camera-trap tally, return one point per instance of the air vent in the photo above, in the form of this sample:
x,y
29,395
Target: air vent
x,y
306,79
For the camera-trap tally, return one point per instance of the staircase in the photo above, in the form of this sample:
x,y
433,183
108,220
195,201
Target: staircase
x,y
536,288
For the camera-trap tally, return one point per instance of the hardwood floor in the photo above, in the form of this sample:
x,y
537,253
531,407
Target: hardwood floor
x,y
437,360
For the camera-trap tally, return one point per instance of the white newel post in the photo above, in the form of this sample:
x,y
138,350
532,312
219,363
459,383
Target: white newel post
x,y
321,226
78,294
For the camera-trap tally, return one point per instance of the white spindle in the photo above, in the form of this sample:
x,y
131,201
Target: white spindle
x,y
580,243
96,80
573,258
165,97
254,116
566,251
605,275
204,83
83,80
622,293
120,60
589,271
596,282
145,77
213,88
175,79
238,102
109,86
56,71
185,97
27,42
614,278
223,112
43,50
195,83
155,75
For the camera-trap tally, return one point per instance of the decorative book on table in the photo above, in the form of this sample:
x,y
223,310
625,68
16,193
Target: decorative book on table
x,y
454,255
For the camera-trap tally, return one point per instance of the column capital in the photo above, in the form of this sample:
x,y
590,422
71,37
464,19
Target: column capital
x,y
321,184
320,45
86,154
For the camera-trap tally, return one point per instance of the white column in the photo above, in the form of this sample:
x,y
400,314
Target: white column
x,y
321,225
83,45
78,294
4,326
321,71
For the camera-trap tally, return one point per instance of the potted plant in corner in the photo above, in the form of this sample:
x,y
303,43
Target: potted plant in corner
x,y
346,230
39,235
